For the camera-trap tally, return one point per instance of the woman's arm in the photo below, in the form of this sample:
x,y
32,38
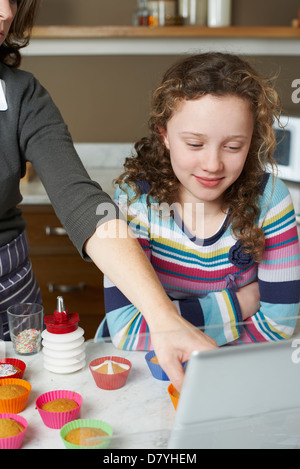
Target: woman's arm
x,y
119,256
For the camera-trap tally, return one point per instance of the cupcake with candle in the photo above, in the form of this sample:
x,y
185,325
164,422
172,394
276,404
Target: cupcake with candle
x,y
110,372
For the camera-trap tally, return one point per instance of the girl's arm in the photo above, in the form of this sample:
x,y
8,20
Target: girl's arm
x,y
278,274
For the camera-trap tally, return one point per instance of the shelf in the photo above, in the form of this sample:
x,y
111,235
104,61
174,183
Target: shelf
x,y
172,40
84,32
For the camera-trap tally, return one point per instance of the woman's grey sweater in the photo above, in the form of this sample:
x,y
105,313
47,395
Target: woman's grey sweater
x,y
32,129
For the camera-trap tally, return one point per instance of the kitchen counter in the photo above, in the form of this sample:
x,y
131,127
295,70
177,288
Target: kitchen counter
x,y
103,162
34,193
141,413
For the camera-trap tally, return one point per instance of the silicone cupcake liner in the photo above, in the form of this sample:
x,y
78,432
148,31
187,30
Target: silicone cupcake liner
x,y
174,398
81,423
110,382
16,363
57,420
13,442
15,405
156,370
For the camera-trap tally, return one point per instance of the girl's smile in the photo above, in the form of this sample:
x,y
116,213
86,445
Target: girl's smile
x,y
208,182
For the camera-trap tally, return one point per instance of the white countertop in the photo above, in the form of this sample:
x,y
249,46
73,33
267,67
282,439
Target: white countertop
x,y
141,413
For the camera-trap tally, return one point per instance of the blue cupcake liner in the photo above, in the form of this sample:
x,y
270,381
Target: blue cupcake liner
x,y
156,370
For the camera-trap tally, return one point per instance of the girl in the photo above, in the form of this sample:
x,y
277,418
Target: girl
x,y
32,129
219,229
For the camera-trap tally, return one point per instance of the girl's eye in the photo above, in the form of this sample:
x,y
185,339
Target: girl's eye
x,y
195,145
233,148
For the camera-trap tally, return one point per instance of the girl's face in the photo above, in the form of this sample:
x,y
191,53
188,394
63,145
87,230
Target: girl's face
x,y
209,140
8,10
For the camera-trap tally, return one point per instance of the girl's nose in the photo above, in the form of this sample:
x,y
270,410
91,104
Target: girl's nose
x,y
212,162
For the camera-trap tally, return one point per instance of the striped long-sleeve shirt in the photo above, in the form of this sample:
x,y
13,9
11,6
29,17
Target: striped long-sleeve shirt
x,y
202,276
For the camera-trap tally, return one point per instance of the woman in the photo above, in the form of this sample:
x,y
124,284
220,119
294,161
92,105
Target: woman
x,y
219,230
32,129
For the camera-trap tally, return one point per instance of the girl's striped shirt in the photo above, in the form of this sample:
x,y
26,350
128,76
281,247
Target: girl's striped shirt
x,y
201,276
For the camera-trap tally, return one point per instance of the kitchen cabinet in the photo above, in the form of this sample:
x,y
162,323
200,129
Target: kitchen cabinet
x,y
60,270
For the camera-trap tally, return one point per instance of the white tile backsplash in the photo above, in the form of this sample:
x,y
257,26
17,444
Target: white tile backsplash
x,y
105,155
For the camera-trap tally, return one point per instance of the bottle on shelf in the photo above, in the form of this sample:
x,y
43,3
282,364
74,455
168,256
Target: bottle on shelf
x,y
141,14
163,13
155,14
193,12
219,13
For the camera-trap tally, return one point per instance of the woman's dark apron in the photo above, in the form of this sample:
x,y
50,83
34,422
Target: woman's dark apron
x,y
17,280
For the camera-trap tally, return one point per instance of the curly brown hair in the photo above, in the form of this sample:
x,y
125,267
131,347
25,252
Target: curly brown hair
x,y
20,32
217,74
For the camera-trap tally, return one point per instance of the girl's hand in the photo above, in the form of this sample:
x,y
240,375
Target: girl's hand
x,y
174,342
249,300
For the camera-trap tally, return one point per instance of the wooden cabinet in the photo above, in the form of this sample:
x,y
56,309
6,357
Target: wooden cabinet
x,y
60,270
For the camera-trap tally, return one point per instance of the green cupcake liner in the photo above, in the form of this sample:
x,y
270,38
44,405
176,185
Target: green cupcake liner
x,y
81,423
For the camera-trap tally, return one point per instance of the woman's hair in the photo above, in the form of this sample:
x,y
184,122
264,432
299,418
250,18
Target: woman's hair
x,y
19,33
217,74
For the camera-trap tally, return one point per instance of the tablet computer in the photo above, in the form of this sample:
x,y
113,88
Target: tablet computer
x,y
240,397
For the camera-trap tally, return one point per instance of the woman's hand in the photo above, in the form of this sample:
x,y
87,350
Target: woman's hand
x,y
249,300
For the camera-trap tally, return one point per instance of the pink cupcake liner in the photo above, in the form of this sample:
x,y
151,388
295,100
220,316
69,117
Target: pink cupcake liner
x,y
57,420
110,382
13,442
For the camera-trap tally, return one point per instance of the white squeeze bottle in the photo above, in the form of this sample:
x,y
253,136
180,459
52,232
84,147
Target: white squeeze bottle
x,y
63,341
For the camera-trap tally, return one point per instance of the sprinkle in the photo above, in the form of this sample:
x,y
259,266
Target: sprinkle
x,y
7,370
28,341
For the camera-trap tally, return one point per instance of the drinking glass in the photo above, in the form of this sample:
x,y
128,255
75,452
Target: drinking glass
x,y
25,326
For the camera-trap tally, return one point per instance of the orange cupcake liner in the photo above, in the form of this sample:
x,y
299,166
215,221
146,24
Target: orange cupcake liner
x,y
15,405
174,398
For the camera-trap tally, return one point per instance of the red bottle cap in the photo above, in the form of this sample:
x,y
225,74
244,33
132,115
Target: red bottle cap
x,y
61,322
